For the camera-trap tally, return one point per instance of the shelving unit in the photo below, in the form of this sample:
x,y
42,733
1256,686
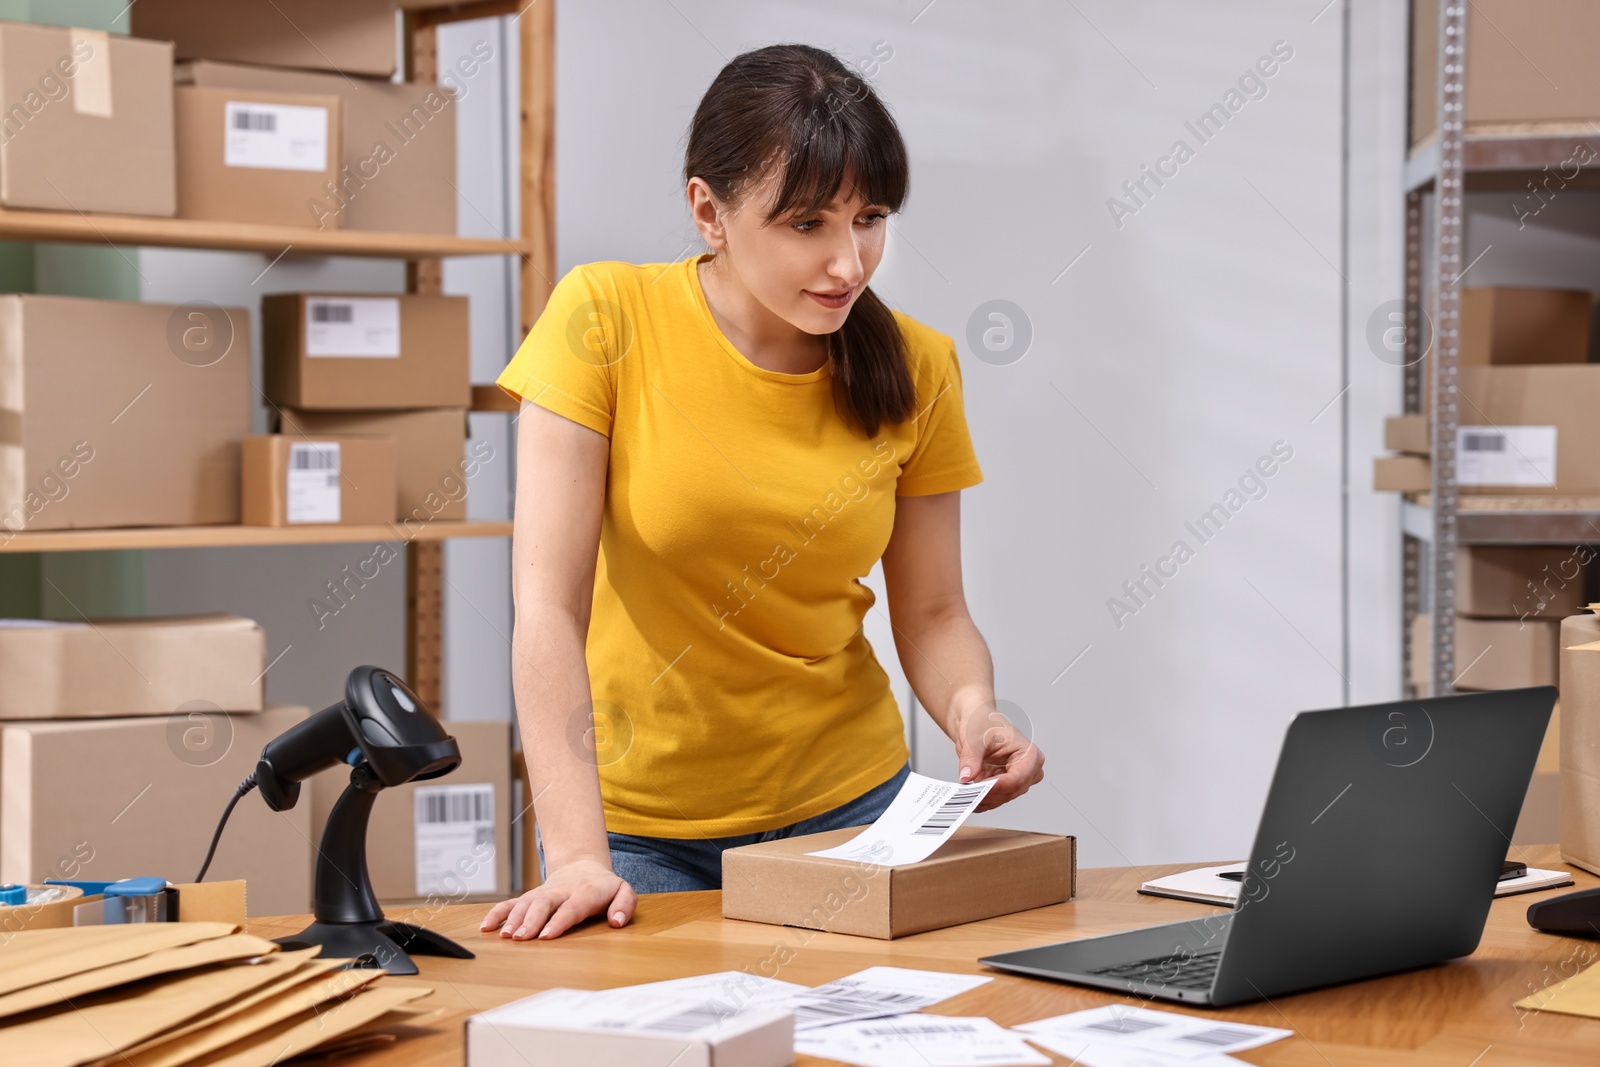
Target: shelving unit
x,y
1438,172
534,246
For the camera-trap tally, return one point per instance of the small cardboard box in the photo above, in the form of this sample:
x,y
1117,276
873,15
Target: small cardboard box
x,y
981,872
1493,653
1520,582
365,351
137,666
120,798
1580,741
1509,326
76,100
246,155
430,443
1521,425
1400,474
292,479
120,413
446,841
399,164
343,36
1407,433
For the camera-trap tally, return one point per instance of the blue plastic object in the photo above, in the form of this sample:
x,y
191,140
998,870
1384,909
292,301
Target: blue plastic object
x,y
13,894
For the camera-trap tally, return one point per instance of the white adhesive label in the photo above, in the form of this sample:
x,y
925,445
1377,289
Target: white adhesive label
x,y
313,491
1506,455
363,327
455,839
91,83
275,136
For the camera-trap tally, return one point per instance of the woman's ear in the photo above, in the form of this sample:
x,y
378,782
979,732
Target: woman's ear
x,y
707,214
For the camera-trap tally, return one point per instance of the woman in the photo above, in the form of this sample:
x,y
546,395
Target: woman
x,y
711,454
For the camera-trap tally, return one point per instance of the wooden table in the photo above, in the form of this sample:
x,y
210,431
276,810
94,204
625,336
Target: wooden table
x,y
1458,1014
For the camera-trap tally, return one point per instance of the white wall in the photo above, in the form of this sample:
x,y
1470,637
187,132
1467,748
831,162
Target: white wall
x,y
1164,362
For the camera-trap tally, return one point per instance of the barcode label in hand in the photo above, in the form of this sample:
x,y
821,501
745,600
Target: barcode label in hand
x,y
1506,455
362,327
312,490
952,809
274,136
455,850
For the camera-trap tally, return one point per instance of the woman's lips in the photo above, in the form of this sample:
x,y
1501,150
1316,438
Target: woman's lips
x,y
835,302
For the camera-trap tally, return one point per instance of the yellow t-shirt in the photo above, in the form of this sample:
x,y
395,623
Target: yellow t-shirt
x,y
734,688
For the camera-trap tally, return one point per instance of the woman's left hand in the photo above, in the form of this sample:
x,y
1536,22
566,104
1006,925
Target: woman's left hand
x,y
989,744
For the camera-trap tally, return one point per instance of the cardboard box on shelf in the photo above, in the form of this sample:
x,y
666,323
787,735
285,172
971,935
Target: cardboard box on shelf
x,y
981,872
1400,474
346,480
1408,434
445,841
1511,326
430,449
1507,79
398,167
89,121
1529,430
1580,741
348,36
245,155
1514,582
135,666
366,351
149,807
1493,653
120,413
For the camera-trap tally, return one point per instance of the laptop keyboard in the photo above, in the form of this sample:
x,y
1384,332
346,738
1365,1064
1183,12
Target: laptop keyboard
x,y
1184,971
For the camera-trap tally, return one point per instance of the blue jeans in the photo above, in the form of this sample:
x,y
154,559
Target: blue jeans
x,y
674,865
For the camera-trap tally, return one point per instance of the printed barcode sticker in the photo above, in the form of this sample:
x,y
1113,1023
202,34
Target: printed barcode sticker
x,y
455,851
1506,455
312,490
364,327
923,816
275,136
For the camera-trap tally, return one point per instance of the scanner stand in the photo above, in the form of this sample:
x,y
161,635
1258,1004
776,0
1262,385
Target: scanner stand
x,y
349,923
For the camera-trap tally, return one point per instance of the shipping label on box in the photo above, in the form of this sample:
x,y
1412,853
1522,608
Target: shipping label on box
x,y
364,327
1506,455
275,136
455,838
312,492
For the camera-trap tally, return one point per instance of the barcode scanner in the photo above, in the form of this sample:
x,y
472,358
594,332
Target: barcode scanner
x,y
384,733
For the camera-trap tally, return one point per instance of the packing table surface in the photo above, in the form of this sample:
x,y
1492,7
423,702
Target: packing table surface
x,y
1457,1014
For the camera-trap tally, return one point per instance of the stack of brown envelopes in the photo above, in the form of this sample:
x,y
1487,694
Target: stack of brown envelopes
x,y
164,994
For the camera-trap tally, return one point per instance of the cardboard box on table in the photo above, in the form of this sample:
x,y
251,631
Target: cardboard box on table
x,y
348,36
451,846
398,168
1580,741
120,413
247,155
980,872
430,447
1493,653
87,124
122,798
366,351
138,666
292,479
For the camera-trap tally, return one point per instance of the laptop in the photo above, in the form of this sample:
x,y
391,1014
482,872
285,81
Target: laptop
x,y
1379,851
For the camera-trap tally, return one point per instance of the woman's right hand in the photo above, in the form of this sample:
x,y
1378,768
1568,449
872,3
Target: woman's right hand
x,y
569,894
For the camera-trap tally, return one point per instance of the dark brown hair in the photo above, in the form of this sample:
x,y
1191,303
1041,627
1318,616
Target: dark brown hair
x,y
800,105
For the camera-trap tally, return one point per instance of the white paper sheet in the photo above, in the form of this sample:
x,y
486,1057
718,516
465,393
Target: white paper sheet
x,y
617,1010
919,1041
735,989
1103,1055
877,992
920,818
1185,1037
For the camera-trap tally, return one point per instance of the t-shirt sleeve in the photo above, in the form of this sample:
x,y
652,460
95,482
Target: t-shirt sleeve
x,y
942,460
565,363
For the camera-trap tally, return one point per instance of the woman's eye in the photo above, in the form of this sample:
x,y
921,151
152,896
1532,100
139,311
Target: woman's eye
x,y
872,219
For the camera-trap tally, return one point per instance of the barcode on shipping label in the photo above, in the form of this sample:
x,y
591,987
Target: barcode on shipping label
x,y
455,846
957,802
363,327
1506,456
312,490
275,136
